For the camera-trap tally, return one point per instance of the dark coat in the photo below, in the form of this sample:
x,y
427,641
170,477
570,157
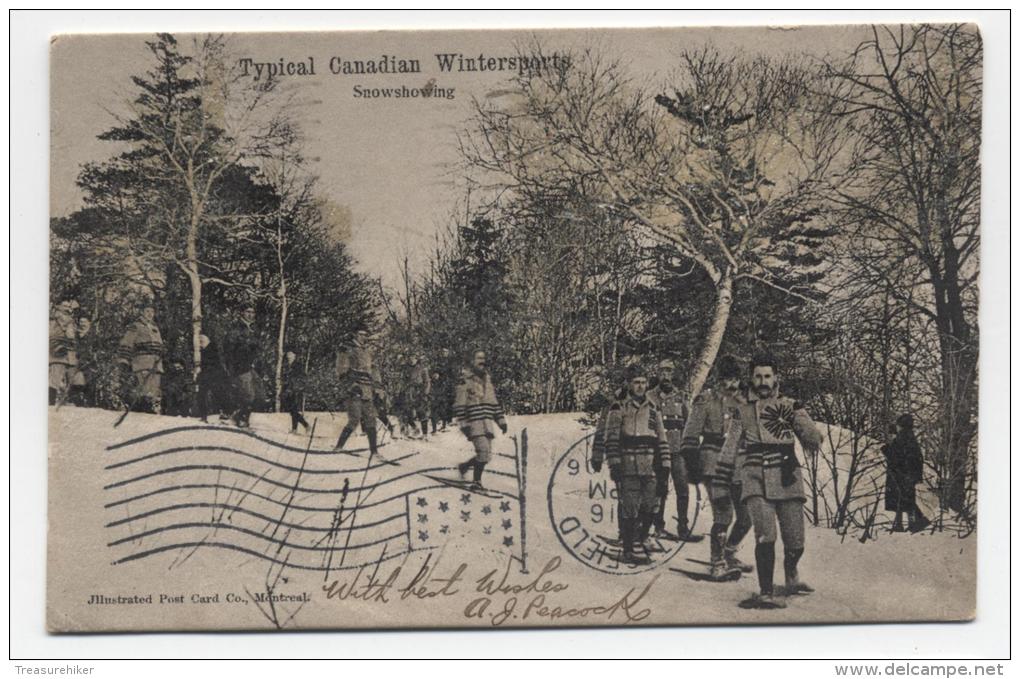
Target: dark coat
x,y
904,469
242,349
213,370
293,385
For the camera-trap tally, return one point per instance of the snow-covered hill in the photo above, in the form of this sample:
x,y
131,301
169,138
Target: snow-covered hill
x,y
894,577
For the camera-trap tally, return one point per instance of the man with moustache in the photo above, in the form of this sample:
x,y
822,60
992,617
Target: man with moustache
x,y
763,431
703,437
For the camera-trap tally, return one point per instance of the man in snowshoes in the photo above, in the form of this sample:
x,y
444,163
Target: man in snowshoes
x,y
703,436
598,449
66,378
356,370
683,467
477,412
763,431
141,353
243,344
419,392
636,446
293,395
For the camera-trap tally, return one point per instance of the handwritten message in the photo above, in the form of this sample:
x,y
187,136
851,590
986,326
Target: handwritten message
x,y
500,597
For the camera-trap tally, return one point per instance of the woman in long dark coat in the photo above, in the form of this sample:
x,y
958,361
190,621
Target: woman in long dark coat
x,y
904,470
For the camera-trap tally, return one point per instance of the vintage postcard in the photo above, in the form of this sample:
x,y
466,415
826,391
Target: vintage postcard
x,y
497,329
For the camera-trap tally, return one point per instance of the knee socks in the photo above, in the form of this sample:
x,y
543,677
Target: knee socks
x,y
765,559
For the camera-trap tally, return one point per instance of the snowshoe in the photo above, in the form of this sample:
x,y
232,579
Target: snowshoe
x,y
465,485
798,587
770,601
652,546
637,559
684,534
764,602
733,562
700,575
722,572
663,534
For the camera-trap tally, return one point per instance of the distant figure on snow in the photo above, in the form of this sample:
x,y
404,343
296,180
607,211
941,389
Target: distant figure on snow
x,y
904,470
212,396
242,355
293,390
141,352
66,379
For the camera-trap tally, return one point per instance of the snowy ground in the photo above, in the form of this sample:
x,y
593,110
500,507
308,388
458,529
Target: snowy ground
x,y
895,577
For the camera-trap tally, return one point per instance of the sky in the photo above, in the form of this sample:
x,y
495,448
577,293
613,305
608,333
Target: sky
x,y
392,162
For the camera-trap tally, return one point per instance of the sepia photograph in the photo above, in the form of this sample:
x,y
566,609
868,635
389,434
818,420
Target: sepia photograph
x,y
666,328
545,328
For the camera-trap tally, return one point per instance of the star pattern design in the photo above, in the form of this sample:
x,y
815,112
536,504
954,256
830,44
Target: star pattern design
x,y
422,502
487,530
465,516
423,518
508,541
444,506
506,524
504,506
423,535
466,498
486,510
444,529
778,419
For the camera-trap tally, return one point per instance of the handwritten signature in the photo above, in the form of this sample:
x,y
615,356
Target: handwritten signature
x,y
501,598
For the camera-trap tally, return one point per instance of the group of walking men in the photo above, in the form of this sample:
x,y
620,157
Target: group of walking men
x,y
739,444
139,359
228,382
476,409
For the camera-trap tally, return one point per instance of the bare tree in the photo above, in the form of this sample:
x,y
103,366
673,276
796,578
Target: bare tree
x,y
911,199
726,167
195,120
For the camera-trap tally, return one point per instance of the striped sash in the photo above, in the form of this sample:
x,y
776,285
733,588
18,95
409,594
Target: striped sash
x,y
767,455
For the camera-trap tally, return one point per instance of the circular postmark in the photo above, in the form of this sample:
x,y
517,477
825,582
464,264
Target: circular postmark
x,y
583,508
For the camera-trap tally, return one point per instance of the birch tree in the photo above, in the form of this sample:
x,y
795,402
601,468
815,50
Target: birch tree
x,y
723,162
193,120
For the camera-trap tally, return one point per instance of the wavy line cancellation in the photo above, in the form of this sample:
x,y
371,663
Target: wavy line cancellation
x,y
259,555
280,484
240,432
235,451
257,534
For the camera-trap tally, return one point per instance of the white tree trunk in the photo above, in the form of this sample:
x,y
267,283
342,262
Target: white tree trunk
x,y
278,396
280,336
195,279
716,332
